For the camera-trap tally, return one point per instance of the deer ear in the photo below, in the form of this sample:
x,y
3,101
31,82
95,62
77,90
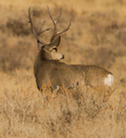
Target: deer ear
x,y
56,41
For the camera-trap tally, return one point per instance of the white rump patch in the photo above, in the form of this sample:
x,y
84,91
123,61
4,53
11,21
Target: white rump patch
x,y
57,87
109,80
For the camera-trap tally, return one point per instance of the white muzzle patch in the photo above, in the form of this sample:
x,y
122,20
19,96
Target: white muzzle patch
x,y
109,80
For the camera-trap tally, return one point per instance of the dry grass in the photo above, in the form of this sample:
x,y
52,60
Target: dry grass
x,y
97,36
81,112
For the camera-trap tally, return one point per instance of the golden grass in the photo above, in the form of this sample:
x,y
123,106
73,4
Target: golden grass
x,y
97,36
25,112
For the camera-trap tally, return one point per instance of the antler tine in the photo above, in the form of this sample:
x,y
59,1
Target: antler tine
x,y
36,34
60,13
39,30
54,23
30,21
61,32
57,34
42,31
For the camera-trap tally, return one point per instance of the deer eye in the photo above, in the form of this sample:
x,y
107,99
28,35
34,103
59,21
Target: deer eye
x,y
55,49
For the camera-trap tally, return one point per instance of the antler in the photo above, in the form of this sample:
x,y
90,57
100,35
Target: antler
x,y
39,32
56,37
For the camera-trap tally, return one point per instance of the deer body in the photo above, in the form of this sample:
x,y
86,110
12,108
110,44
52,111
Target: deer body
x,y
58,73
48,68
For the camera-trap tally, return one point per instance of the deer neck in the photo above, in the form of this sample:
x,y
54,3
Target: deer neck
x,y
45,55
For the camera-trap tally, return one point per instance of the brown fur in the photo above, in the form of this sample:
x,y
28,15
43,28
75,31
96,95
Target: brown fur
x,y
46,70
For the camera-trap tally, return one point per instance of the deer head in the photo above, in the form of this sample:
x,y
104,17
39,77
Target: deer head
x,y
48,50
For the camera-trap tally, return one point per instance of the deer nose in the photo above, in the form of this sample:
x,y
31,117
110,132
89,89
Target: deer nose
x,y
63,57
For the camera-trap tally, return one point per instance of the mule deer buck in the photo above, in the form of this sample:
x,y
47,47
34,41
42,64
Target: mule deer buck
x,y
47,65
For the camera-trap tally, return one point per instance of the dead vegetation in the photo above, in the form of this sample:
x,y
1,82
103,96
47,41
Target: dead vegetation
x,y
69,113
97,36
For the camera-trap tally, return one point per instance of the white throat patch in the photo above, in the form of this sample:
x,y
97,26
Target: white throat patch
x,y
109,80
